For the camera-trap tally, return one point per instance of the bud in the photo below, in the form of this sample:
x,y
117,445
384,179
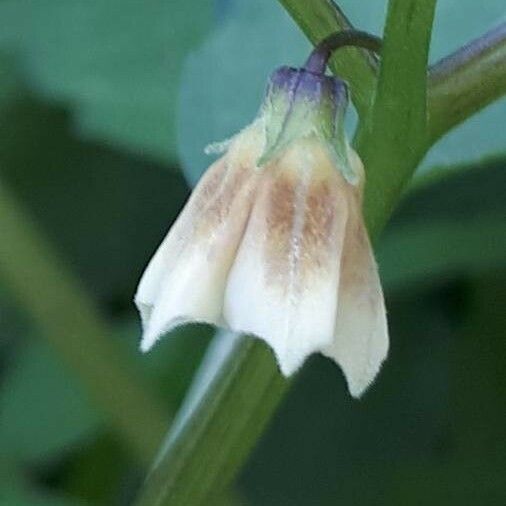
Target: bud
x,y
272,241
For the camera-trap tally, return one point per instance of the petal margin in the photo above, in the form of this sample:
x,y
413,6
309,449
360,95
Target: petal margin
x,y
283,286
185,280
361,338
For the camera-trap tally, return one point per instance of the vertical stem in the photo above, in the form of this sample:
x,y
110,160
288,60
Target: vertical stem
x,y
393,139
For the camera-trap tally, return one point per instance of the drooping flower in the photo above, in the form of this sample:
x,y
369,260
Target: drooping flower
x,y
186,279
272,241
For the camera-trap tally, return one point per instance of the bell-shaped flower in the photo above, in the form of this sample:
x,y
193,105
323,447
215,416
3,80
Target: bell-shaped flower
x,y
186,279
272,241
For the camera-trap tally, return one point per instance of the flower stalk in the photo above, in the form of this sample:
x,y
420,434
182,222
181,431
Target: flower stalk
x,y
358,67
321,54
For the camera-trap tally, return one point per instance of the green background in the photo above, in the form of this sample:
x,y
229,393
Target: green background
x,y
105,108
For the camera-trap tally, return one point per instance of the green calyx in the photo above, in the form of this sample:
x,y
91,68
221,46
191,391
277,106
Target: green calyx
x,y
300,103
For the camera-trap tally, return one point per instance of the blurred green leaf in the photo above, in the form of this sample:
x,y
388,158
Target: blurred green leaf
x,y
42,409
105,212
462,481
66,316
98,472
117,63
16,496
440,251
15,490
478,368
455,225
8,81
473,473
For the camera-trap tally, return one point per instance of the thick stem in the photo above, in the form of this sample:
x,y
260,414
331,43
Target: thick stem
x,y
393,140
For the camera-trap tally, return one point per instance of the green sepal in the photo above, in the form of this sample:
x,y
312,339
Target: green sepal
x,y
300,104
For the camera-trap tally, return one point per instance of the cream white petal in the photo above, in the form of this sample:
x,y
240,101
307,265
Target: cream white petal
x,y
151,280
361,339
283,286
182,231
185,281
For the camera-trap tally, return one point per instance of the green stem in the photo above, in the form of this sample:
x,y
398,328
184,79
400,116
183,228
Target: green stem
x,y
393,139
320,18
39,280
467,81
201,460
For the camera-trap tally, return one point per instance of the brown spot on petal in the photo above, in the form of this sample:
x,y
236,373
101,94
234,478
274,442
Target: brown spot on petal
x,y
233,179
209,183
321,209
279,199
230,188
220,192
302,215
357,252
224,192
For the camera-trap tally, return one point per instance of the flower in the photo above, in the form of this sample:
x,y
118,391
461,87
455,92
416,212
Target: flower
x,y
272,241
186,279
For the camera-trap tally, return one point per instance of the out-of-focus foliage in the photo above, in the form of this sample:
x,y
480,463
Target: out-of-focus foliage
x,y
115,63
455,227
430,431
40,389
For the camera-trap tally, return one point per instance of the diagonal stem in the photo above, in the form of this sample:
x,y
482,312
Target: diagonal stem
x,y
460,85
38,278
466,81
